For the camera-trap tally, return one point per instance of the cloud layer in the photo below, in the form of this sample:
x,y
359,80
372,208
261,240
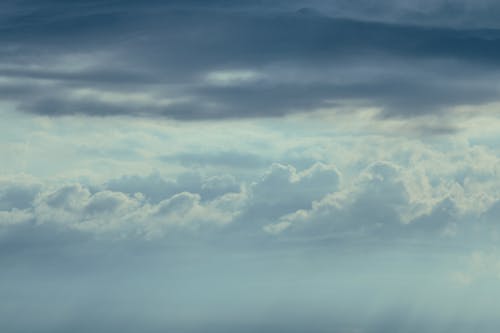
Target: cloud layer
x,y
195,61
383,201
392,247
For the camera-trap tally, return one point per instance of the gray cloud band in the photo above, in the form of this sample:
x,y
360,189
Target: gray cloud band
x,y
197,61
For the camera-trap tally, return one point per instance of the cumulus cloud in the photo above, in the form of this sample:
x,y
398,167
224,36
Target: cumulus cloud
x,y
383,201
371,204
120,215
282,189
142,206
382,204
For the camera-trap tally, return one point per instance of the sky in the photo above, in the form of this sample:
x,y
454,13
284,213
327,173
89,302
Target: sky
x,y
249,166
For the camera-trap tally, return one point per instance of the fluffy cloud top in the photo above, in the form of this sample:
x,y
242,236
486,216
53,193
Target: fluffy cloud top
x,y
384,200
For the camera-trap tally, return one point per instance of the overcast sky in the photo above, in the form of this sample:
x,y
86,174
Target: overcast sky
x,y
249,166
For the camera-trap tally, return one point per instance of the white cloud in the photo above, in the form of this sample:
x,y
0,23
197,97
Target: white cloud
x,y
385,201
232,77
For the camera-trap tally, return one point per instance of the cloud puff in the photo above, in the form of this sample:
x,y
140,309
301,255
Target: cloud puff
x,y
282,189
126,216
372,204
381,204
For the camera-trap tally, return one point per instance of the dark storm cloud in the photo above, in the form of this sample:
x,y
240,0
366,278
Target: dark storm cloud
x,y
303,59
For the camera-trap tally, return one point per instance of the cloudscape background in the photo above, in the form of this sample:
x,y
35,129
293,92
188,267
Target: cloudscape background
x,y
243,166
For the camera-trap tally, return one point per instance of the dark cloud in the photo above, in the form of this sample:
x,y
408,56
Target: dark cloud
x,y
61,107
303,59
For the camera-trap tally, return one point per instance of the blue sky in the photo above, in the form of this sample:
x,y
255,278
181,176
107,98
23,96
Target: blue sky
x,y
215,166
